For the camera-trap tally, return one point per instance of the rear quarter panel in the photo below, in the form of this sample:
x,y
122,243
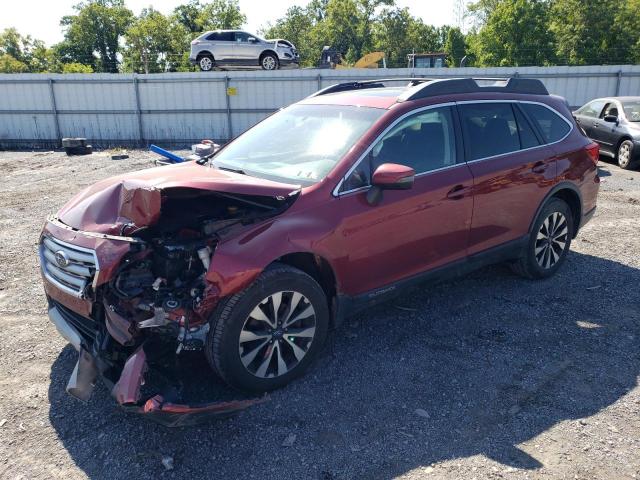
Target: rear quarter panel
x,y
574,163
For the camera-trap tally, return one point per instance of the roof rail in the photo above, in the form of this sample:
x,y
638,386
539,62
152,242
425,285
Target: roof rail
x,y
450,86
375,83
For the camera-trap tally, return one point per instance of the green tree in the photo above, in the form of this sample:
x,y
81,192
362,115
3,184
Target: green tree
x,y
627,24
297,26
154,43
584,31
198,17
30,54
93,34
187,15
392,35
397,33
347,25
76,68
514,33
221,14
455,47
9,64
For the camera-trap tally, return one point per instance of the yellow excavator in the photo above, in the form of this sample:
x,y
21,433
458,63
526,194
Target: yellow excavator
x,y
331,58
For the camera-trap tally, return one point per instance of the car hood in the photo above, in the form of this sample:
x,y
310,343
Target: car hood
x,y
281,41
123,204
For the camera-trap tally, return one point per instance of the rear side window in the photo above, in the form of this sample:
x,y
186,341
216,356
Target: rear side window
x,y
551,125
221,36
528,138
490,129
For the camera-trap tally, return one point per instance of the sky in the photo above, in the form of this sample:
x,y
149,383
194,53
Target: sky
x,y
41,18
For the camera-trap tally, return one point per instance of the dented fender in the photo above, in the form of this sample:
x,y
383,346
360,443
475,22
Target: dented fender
x,y
238,261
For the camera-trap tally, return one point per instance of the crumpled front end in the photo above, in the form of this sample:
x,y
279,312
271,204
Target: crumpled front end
x,y
134,304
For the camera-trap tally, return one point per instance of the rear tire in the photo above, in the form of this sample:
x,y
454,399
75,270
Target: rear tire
x,y
549,242
265,336
206,63
624,155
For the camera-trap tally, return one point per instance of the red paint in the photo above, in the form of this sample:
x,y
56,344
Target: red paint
x,y
367,246
127,389
390,174
445,216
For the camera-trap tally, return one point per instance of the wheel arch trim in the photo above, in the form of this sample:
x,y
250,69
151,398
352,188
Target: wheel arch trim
x,y
553,193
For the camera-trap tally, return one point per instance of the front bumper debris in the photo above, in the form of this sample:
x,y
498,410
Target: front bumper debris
x,y
127,390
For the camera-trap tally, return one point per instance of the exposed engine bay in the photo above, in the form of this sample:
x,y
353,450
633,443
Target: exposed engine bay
x,y
157,303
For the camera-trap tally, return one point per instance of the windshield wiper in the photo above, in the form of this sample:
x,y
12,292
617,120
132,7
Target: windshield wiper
x,y
234,170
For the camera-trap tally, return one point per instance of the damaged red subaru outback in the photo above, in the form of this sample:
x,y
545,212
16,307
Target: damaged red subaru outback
x,y
326,207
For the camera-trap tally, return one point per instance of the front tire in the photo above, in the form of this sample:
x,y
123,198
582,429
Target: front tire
x,y
624,155
269,62
549,242
267,335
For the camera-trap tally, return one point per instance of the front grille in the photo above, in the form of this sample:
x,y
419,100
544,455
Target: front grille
x,y
69,267
86,327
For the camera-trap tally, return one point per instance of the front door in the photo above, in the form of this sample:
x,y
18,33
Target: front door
x,y
409,231
587,116
246,52
607,134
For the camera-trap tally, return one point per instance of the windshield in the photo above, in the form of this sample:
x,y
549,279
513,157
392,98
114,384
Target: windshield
x,y
632,111
300,144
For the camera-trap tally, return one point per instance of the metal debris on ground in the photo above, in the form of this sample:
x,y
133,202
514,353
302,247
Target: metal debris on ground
x,y
290,440
167,462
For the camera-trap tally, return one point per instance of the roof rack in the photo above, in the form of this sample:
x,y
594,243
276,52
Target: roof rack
x,y
421,87
450,86
375,83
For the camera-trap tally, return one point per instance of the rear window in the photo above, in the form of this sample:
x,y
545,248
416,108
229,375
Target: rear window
x,y
551,125
490,129
632,111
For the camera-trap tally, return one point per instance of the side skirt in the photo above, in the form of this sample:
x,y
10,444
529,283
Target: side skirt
x,y
347,305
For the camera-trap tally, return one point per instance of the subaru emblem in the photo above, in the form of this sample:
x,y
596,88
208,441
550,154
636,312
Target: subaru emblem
x,y
61,259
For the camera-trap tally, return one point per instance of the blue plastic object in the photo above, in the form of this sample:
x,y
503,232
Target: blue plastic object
x,y
171,156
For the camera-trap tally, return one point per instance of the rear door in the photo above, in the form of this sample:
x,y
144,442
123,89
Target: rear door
x,y
222,46
414,230
512,171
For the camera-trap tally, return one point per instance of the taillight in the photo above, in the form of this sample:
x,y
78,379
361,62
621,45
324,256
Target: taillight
x,y
593,149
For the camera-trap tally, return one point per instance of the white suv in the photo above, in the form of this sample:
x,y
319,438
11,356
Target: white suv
x,y
235,48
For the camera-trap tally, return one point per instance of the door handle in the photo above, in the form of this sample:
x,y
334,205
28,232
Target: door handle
x,y
539,167
457,192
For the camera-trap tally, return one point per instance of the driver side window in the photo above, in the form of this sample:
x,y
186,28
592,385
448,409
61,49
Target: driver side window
x,y
424,141
610,109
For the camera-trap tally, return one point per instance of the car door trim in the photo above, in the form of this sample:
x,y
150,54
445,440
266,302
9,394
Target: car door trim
x,y
465,102
336,191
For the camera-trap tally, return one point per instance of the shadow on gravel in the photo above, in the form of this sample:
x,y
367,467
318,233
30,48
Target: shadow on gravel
x,y
471,367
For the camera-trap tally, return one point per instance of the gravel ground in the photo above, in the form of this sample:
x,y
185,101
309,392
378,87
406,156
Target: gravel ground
x,y
490,376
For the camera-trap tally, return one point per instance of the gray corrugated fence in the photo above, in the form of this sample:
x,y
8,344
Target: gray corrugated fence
x,y
36,110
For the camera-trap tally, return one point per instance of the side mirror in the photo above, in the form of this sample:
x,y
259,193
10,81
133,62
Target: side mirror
x,y
610,118
389,176
252,40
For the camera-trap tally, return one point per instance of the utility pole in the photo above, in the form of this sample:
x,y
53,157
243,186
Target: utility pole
x,y
459,9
